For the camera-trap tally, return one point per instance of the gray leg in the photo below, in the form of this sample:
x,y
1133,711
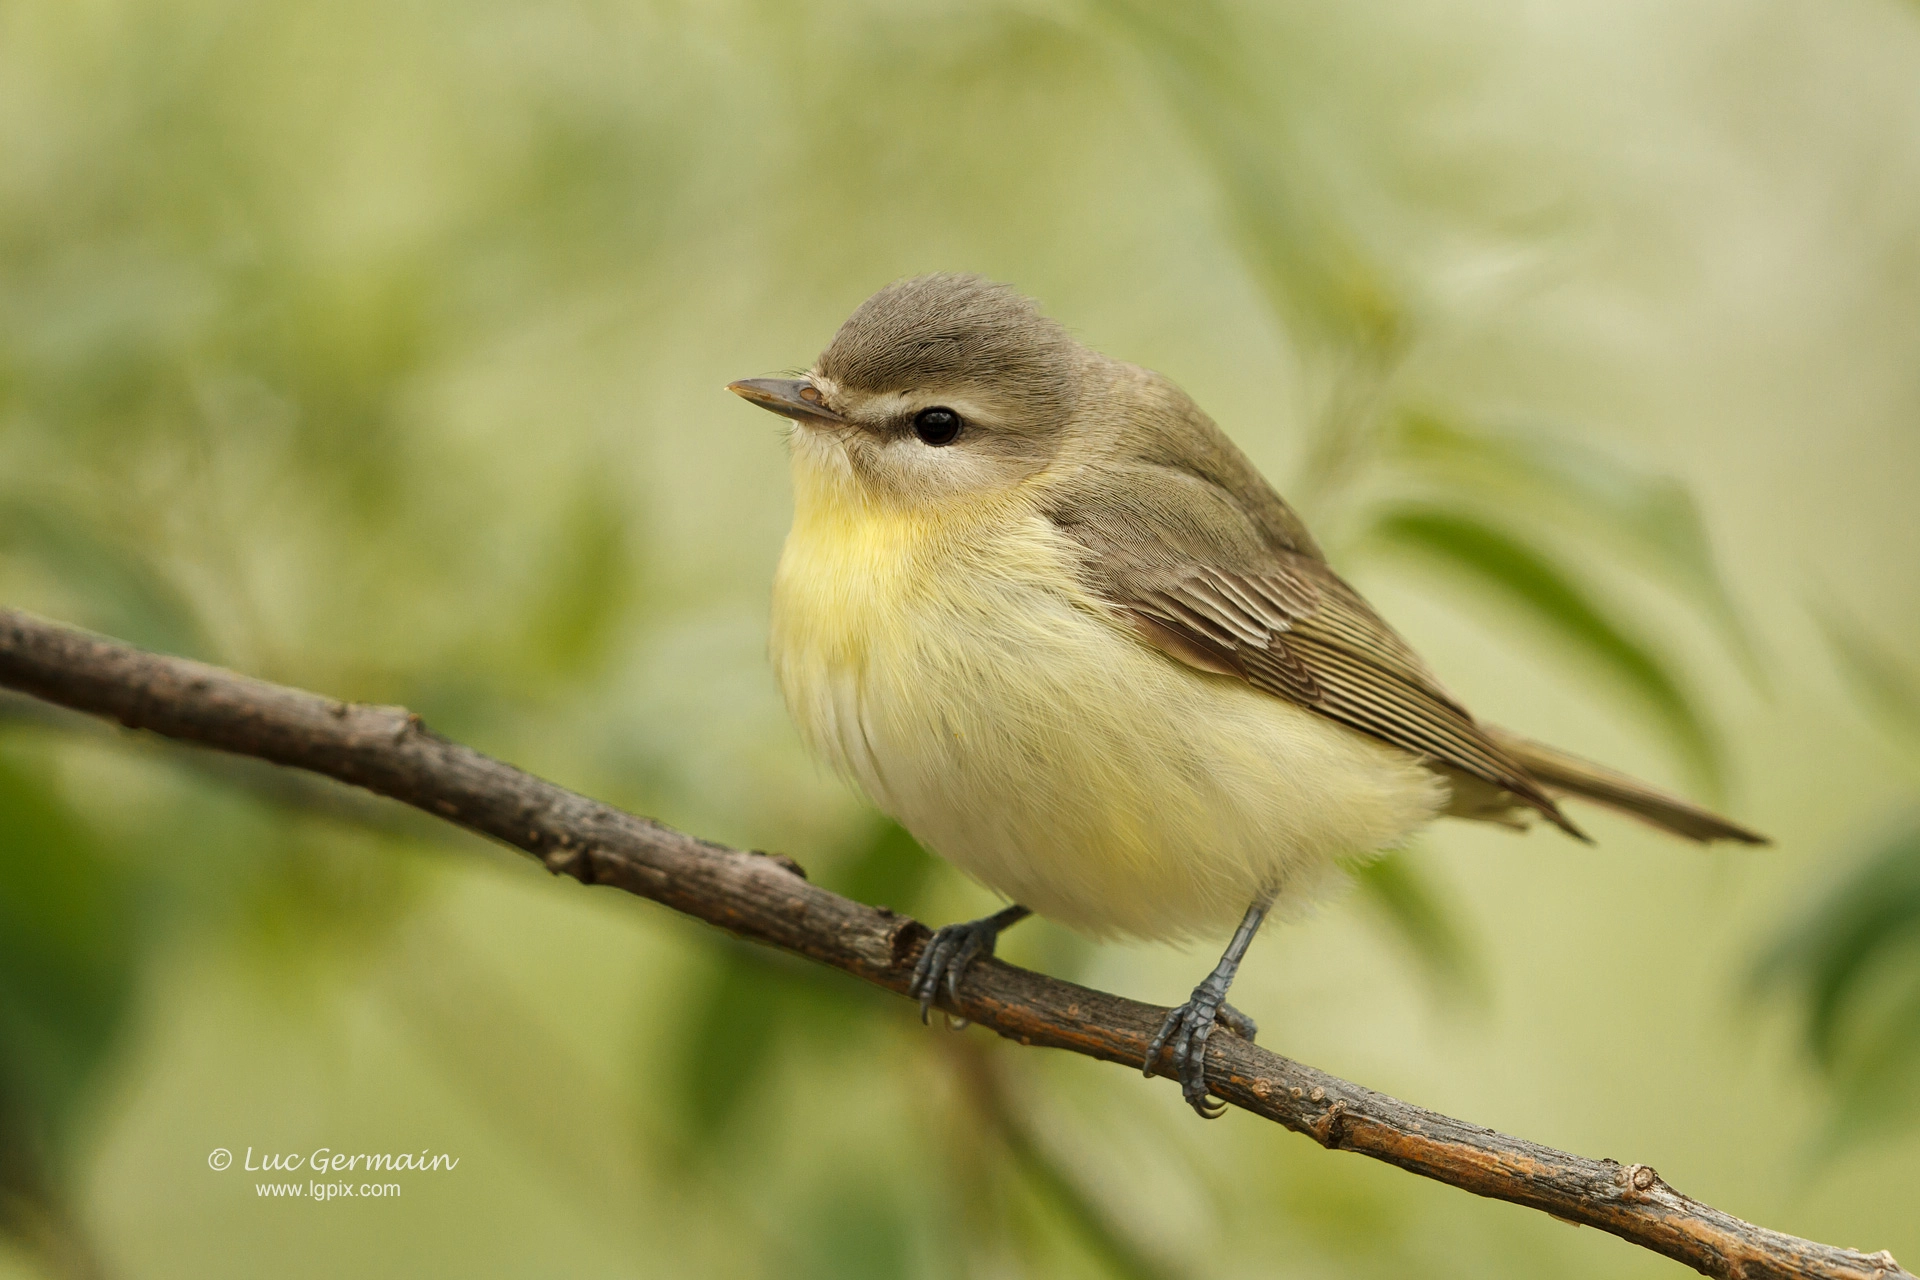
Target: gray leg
x,y
1187,1028
951,949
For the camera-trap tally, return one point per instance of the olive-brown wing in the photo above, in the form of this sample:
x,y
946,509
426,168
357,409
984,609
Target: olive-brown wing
x,y
1291,627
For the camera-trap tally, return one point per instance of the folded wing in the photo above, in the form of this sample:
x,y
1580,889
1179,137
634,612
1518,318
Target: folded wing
x,y
1293,629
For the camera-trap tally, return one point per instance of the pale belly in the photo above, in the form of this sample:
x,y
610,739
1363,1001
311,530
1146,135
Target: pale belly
x,y
1023,735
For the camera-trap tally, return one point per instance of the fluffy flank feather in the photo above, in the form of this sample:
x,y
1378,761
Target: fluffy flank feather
x,y
943,660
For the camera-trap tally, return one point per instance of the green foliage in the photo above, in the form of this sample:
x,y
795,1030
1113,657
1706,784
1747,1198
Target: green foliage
x,y
1491,506
112,584
377,349
757,1013
1550,595
1576,489
1851,960
591,579
1344,303
888,870
1396,887
1299,248
1106,1239
734,1034
756,1007
66,946
1887,687
68,960
858,1233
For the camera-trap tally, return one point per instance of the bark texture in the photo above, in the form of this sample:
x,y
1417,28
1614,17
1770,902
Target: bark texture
x,y
769,900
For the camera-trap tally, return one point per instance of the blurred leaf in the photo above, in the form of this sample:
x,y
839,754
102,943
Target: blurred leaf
x,y
1853,963
1105,1237
1876,1092
340,345
1313,271
856,1233
1301,249
755,999
1550,595
589,583
891,870
487,1040
730,1040
1888,686
1840,939
1587,488
124,593
66,948
1413,910
316,891
66,976
1090,1220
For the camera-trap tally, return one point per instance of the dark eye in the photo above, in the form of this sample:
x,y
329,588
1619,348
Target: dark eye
x,y
937,426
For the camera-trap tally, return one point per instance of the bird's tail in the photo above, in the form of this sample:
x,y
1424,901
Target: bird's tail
x,y
1561,772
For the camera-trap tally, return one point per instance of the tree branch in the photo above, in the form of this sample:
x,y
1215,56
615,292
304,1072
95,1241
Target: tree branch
x,y
768,899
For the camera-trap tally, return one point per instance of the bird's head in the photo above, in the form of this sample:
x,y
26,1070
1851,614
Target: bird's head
x,y
937,387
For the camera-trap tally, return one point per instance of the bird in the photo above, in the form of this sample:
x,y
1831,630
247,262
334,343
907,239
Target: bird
x,y
1039,608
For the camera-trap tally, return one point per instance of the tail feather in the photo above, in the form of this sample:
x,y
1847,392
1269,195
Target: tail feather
x,y
1560,771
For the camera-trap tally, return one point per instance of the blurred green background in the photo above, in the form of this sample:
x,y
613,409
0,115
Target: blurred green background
x,y
378,348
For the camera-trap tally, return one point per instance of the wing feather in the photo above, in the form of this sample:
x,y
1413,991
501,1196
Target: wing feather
x,y
1293,629
1184,538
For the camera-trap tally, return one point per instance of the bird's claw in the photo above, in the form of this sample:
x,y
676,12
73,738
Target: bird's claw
x,y
945,958
1186,1031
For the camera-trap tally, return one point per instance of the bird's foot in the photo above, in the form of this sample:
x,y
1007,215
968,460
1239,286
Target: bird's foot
x,y
1186,1031
948,953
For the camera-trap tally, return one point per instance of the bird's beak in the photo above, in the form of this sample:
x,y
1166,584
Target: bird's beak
x,y
792,397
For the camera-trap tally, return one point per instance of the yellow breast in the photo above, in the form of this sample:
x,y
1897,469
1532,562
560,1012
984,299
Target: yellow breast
x,y
846,576
946,660
861,577
874,601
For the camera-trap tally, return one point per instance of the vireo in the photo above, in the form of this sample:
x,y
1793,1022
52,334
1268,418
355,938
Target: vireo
x,y
1048,617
